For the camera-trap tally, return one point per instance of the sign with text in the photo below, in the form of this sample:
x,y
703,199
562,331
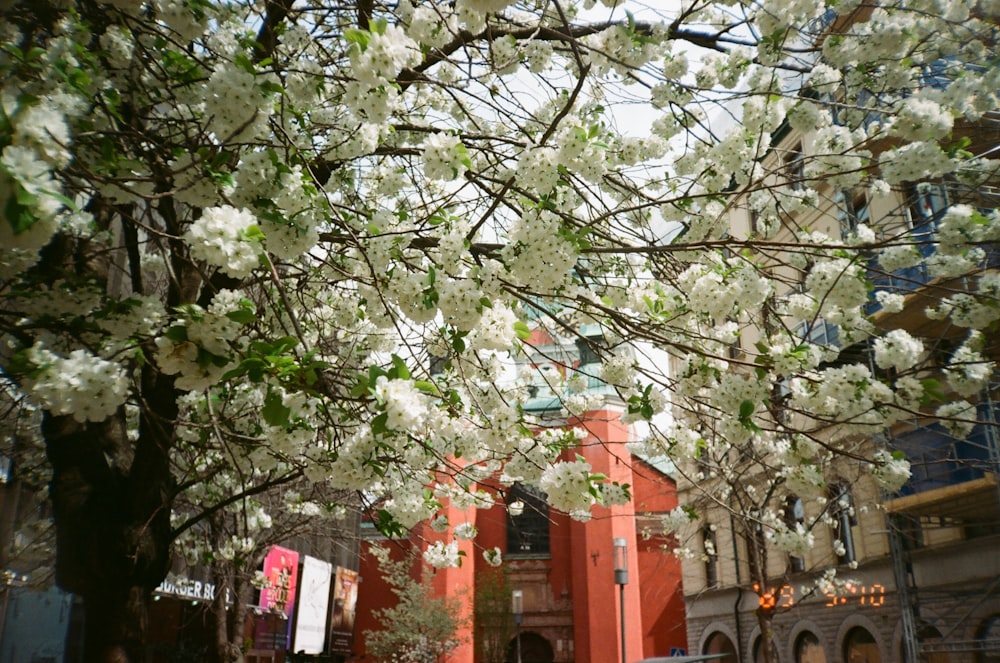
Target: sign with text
x,y
314,601
281,568
345,602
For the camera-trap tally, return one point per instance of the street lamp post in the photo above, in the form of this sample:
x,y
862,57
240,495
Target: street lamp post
x,y
517,607
621,579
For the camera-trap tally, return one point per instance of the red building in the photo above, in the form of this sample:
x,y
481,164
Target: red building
x,y
572,606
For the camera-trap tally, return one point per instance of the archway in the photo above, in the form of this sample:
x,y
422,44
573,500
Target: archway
x,y
808,649
719,643
534,649
860,647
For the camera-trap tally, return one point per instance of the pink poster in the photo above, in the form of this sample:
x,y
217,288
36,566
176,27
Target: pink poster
x,y
281,568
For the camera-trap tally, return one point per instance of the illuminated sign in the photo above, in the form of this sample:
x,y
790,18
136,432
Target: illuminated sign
x,y
851,593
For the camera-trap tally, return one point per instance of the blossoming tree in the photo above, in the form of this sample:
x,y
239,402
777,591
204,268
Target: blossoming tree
x,y
238,237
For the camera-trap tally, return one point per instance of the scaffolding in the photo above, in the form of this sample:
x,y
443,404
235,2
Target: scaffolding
x,y
952,503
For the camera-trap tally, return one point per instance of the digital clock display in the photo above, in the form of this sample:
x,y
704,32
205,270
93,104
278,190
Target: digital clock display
x,y
850,593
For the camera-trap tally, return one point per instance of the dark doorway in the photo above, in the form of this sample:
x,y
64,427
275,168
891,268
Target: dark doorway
x,y
534,649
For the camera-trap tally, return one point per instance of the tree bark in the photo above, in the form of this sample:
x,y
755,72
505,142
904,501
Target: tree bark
x,y
111,506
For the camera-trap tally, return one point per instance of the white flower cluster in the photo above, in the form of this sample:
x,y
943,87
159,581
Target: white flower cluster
x,y
838,282
959,417
406,407
889,471
539,257
38,141
567,485
538,169
968,371
441,555
915,162
493,556
495,330
234,104
444,157
220,237
181,349
898,350
466,531
919,119
675,520
796,541
386,54
82,385
235,547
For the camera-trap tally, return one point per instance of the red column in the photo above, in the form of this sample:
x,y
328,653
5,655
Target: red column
x,y
596,597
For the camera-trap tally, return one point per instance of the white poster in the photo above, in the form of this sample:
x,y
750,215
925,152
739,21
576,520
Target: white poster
x,y
314,599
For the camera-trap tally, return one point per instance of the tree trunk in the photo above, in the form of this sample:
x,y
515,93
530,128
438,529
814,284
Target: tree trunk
x,y
111,506
765,619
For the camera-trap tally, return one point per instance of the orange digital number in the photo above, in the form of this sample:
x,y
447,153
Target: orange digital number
x,y
787,596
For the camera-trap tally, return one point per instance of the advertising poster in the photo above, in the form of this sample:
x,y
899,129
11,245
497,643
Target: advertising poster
x,y
281,568
314,600
345,601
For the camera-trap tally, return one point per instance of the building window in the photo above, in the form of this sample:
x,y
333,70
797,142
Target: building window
x,y
528,531
860,647
808,649
853,211
757,552
844,519
711,558
794,516
795,171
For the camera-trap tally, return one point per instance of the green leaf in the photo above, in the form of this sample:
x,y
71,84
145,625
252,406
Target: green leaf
x,y
522,330
359,37
177,333
274,411
242,316
388,526
426,387
378,424
399,370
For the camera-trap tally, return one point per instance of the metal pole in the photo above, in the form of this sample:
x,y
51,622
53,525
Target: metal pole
x,y
621,594
517,607
517,623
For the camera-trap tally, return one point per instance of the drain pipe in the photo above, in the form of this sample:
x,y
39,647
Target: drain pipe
x,y
739,587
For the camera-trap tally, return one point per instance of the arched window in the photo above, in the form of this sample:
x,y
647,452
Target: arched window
x,y
719,643
860,647
808,649
527,523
